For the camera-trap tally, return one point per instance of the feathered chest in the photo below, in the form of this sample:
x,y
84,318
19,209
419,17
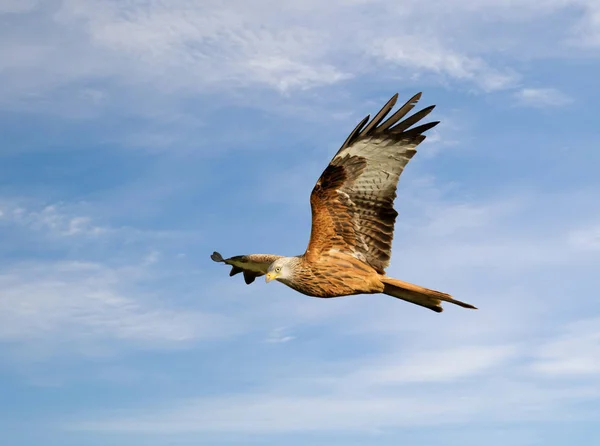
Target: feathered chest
x,y
334,275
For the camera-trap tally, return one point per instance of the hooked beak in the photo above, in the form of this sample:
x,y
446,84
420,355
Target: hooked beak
x,y
270,276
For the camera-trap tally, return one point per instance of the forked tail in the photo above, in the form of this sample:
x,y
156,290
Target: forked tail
x,y
419,295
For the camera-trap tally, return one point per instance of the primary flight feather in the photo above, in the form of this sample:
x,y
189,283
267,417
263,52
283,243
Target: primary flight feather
x,y
353,217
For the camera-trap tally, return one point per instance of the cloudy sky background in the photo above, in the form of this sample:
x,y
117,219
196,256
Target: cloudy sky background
x,y
140,135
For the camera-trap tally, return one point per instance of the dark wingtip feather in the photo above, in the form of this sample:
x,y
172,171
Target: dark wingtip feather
x,y
393,126
354,132
235,270
402,126
380,116
249,277
420,129
400,113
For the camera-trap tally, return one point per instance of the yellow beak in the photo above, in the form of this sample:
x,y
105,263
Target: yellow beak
x,y
270,276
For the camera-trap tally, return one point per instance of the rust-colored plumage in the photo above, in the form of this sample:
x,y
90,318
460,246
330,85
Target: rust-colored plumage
x,y
353,217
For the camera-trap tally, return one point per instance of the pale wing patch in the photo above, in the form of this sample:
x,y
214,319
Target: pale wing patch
x,y
353,201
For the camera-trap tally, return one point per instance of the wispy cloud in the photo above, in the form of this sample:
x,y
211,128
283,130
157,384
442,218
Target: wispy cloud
x,y
574,353
437,366
280,335
586,33
423,55
369,396
110,50
587,239
542,97
51,220
70,223
88,303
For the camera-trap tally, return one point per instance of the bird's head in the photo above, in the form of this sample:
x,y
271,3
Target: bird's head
x,y
280,269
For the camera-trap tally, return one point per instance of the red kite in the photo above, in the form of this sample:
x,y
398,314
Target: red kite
x,y
353,217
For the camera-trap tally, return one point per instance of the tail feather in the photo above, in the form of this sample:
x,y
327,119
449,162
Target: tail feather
x,y
419,295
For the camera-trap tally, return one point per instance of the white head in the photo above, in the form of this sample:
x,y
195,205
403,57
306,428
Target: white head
x,y
281,269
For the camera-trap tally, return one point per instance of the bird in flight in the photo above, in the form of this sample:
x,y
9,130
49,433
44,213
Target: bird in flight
x,y
353,217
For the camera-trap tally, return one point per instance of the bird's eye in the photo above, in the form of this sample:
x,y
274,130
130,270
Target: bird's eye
x,y
278,269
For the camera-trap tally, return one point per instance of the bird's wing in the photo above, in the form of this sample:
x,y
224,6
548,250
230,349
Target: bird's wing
x,y
353,200
252,265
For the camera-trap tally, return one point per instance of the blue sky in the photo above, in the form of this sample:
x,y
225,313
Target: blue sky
x,y
139,136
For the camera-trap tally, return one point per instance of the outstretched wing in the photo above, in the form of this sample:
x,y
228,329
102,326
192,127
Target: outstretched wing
x,y
353,200
252,265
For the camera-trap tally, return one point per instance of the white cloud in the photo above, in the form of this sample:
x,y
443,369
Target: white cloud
x,y
86,303
66,223
96,54
438,366
587,239
151,258
270,414
418,54
444,219
280,335
575,353
542,97
180,46
481,383
52,220
586,33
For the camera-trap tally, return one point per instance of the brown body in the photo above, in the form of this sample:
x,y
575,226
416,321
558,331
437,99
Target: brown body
x,y
333,275
353,218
